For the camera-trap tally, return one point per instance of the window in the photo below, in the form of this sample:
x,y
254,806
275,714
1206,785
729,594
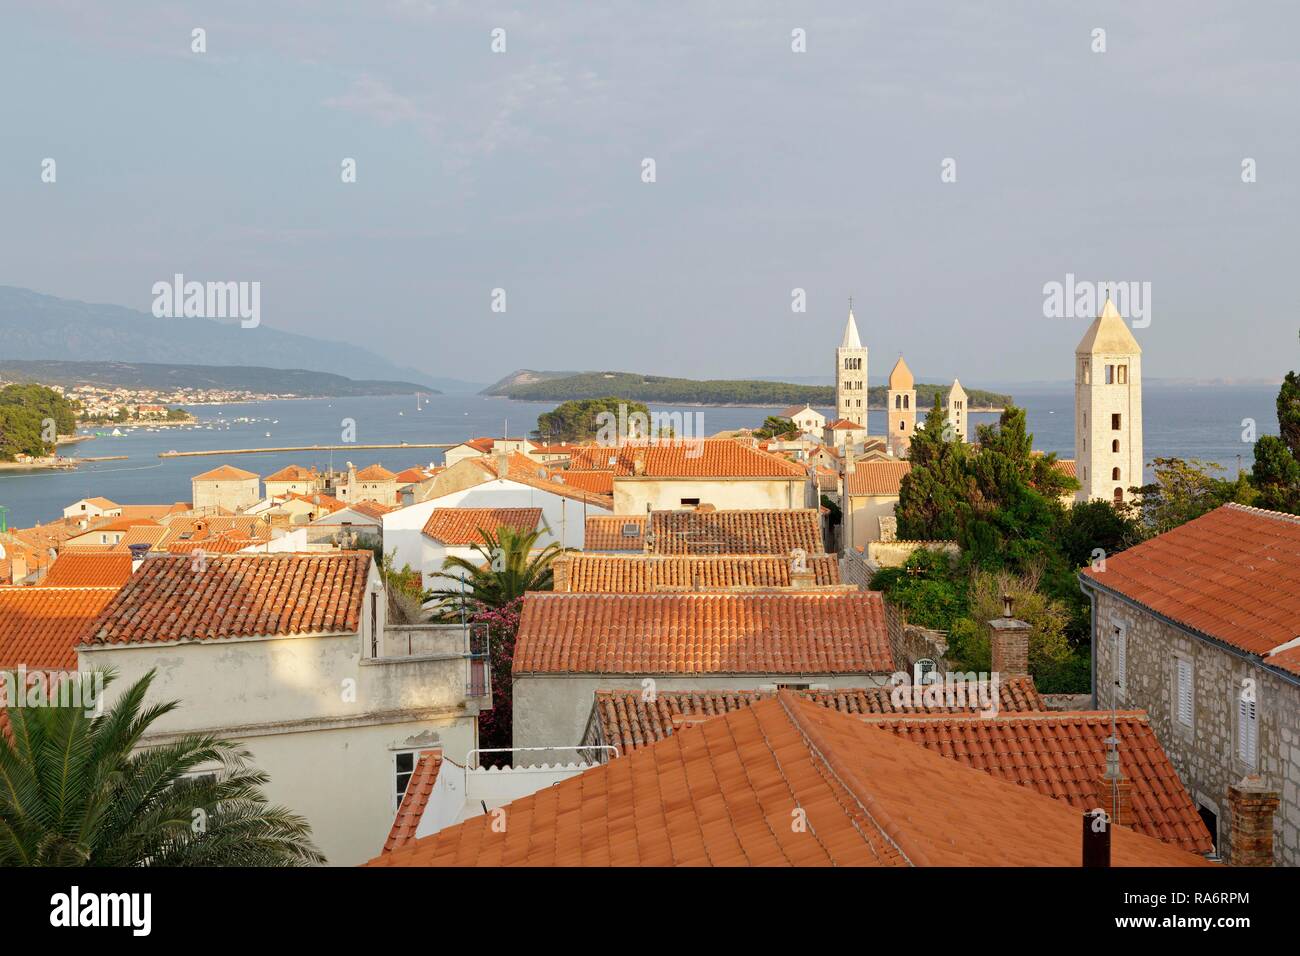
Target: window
x,y
403,767
1114,422
1121,374
1114,474
1114,445
898,401
1119,645
1119,496
690,502
1183,703
1087,373
1110,375
907,401
1247,728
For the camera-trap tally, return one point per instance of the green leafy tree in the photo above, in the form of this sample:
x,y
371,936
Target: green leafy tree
x,y
775,426
505,569
579,420
1184,490
80,791
1276,475
1288,412
25,411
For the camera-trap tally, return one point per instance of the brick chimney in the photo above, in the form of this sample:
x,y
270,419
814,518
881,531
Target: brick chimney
x,y
1115,796
638,464
1009,644
560,572
1250,839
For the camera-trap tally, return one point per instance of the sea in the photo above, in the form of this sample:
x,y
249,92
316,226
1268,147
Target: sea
x,y
1211,423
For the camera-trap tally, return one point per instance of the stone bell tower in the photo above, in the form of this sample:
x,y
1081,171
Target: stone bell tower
x,y
851,375
1108,409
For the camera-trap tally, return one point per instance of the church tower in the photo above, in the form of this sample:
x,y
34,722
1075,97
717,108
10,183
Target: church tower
x,y
901,408
851,375
957,410
1108,409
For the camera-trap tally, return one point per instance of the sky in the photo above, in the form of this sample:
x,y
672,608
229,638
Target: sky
x,y
774,171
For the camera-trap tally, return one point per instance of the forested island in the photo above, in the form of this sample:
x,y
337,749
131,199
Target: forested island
x,y
32,417
533,386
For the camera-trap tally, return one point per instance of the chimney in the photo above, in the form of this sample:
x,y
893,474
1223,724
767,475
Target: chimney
x,y
1096,838
1115,796
803,579
848,465
638,464
503,460
1250,838
560,572
1009,643
138,553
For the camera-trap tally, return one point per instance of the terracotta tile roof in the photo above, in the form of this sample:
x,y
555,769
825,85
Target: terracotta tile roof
x,y
638,574
153,511
706,458
1066,467
876,478
371,508
765,632
153,535
42,626
535,474
225,473
736,532
1062,755
1288,660
88,569
1232,575
326,503
416,798
843,424
121,524
375,473
215,544
599,482
101,503
726,793
293,473
605,533
410,476
237,596
631,723
462,525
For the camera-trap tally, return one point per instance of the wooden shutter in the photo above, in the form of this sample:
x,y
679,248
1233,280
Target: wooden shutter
x,y
1185,691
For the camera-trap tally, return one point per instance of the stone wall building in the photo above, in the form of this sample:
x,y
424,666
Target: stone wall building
x,y
851,375
1198,627
901,408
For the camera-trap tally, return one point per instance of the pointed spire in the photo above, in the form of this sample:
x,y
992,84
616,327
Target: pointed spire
x,y
851,340
900,379
1108,333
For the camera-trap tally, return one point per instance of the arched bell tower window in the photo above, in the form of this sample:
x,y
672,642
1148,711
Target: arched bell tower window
x,y
1114,475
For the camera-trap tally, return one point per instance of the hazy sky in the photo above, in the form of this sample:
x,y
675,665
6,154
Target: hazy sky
x,y
775,170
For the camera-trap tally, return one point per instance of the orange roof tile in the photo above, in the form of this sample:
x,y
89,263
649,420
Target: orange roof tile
x,y
729,791
293,473
1232,575
375,473
705,458
326,503
607,533
630,722
1063,755
256,595
88,569
776,531
843,424
42,626
410,476
638,574
598,482
371,508
416,798
463,525
765,632
876,478
225,473
527,471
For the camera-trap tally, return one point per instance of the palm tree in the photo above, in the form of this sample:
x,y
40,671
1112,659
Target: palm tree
x,y
77,790
505,569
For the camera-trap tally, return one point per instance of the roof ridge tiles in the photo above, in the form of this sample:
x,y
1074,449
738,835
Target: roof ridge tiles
x,y
846,777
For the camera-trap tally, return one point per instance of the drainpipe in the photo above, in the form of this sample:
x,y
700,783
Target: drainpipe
x,y
1092,628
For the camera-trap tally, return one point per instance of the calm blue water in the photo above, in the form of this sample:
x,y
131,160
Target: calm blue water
x,y
1185,422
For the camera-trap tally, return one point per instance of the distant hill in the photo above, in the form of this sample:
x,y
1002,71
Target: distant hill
x,y
253,378
529,385
36,326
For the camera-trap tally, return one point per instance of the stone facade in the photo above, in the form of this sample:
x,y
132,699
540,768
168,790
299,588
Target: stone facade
x,y
1108,409
1205,753
851,376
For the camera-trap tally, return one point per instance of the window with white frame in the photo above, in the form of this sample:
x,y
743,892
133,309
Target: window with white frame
x,y
403,767
1183,704
1119,646
1247,725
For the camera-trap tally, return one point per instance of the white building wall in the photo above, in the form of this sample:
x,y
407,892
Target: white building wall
x,y
633,495
1095,402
